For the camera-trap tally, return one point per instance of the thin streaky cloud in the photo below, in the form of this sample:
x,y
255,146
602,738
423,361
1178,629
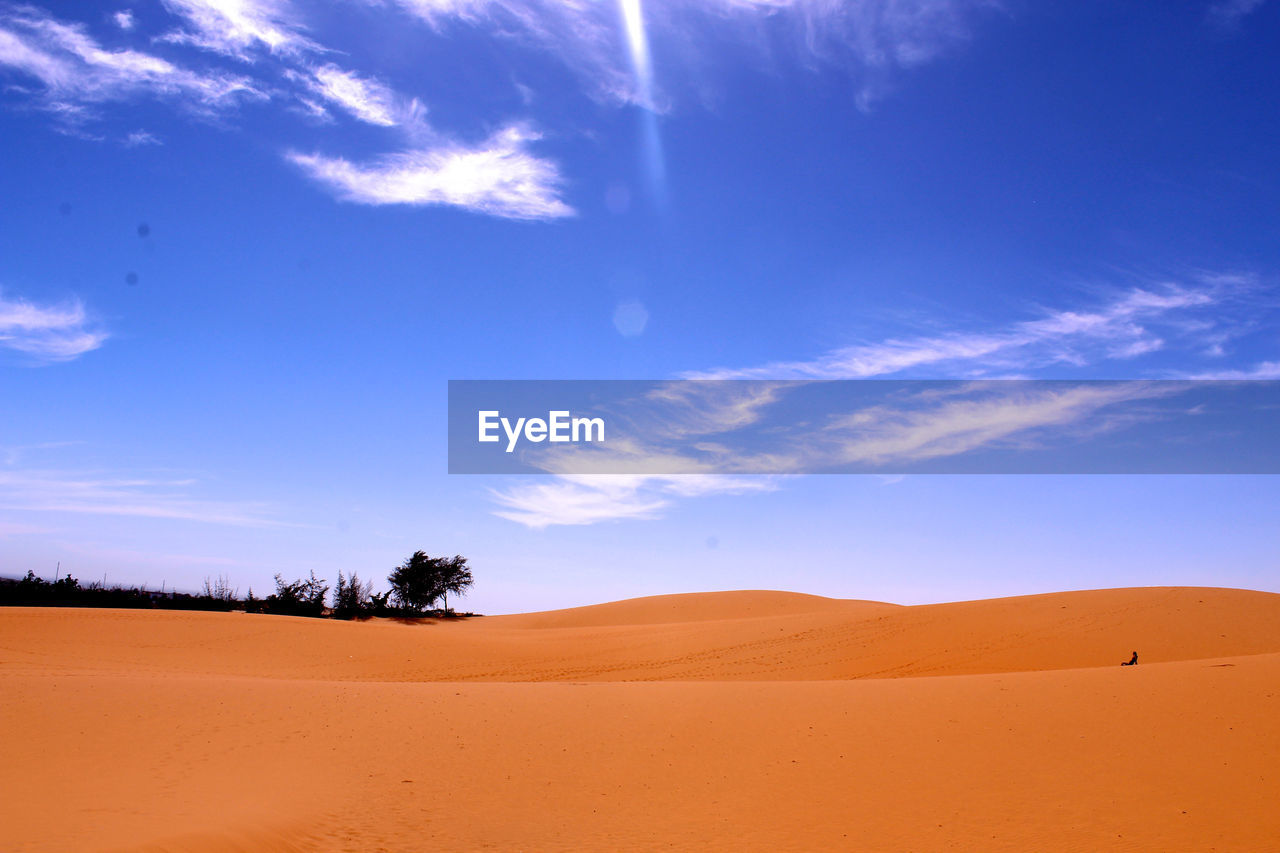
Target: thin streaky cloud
x,y
368,100
872,40
98,551
604,43
499,177
1228,14
587,37
565,502
688,422
237,27
47,333
692,416
923,425
139,138
1263,370
705,409
971,417
9,528
1124,328
95,494
75,69
888,435
590,499
12,454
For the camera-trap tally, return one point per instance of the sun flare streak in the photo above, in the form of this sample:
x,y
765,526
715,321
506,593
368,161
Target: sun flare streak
x,y
650,139
633,20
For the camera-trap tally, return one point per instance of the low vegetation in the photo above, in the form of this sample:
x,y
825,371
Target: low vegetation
x,y
416,586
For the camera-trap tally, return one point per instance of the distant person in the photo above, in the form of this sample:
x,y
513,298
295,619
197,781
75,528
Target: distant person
x,y
1133,661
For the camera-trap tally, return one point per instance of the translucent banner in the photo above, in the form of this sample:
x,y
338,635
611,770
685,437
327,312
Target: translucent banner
x,y
669,427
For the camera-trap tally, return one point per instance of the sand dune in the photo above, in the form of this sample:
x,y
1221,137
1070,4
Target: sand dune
x,y
732,721
661,638
696,607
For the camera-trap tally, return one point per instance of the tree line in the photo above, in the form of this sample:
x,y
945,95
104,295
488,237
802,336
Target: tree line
x,y
414,588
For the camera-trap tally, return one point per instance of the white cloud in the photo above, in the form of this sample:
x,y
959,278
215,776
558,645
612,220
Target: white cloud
x,y
708,408
603,43
97,494
871,39
590,499
1118,330
710,431
75,69
139,138
47,333
1228,13
895,435
367,100
1263,370
235,27
498,177
577,501
99,551
689,426
587,36
8,529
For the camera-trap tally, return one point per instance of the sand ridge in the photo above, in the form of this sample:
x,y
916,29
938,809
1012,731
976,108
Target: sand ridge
x,y
660,638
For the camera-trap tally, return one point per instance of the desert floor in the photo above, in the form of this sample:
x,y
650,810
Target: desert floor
x,y
719,721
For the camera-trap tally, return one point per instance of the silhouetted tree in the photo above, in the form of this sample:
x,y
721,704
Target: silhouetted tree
x,y
379,603
220,590
66,586
420,580
415,582
457,578
351,596
298,598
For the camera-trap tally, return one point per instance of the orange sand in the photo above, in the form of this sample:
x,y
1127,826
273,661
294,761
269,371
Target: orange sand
x,y
720,721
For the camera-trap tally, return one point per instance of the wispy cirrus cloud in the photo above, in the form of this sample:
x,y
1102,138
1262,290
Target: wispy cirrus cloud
x,y
685,421
1132,323
97,493
1227,14
592,499
820,427
47,333
139,138
871,39
586,36
1262,370
221,54
368,100
499,177
881,435
8,529
76,74
915,426
574,501
75,70
237,27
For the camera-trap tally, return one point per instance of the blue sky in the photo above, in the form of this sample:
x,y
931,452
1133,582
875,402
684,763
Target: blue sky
x,y
245,243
